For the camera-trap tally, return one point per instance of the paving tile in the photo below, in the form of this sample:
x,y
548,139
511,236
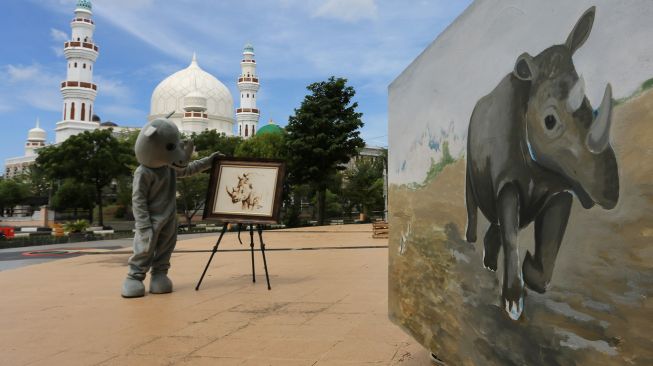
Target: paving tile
x,y
326,307
297,349
361,350
172,346
209,361
72,358
233,347
277,362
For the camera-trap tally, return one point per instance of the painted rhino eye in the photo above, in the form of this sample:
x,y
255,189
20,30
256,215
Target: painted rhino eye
x,y
550,122
171,147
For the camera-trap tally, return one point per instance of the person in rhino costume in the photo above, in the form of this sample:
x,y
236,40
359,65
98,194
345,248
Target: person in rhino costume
x,y
163,157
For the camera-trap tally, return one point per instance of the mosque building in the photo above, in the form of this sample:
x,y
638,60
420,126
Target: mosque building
x,y
197,100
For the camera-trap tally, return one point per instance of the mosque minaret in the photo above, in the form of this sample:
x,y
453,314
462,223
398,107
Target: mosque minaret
x,y
247,115
78,89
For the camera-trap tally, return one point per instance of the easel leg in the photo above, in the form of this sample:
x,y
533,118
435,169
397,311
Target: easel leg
x,y
251,247
215,249
265,263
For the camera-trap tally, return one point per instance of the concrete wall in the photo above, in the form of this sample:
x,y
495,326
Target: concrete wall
x,y
597,307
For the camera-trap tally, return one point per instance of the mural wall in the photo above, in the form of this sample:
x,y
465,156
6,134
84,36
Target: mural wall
x,y
521,186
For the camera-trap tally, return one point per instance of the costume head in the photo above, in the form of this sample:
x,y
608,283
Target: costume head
x,y
159,144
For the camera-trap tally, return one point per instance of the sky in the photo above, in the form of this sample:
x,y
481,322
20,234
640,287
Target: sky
x,y
297,42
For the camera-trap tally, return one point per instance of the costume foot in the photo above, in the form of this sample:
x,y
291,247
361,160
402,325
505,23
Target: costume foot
x,y
533,276
160,283
133,288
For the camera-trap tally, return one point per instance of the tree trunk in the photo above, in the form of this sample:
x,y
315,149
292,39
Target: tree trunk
x,y
321,205
188,220
99,201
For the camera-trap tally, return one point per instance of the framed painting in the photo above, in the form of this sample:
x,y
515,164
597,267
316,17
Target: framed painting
x,y
243,190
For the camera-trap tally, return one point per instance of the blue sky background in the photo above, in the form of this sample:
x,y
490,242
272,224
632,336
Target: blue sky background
x,y
297,42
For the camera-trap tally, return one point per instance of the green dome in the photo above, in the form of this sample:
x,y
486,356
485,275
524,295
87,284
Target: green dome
x,y
249,48
86,4
271,129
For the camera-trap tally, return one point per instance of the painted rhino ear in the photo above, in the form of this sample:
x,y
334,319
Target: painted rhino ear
x,y
525,68
149,131
581,30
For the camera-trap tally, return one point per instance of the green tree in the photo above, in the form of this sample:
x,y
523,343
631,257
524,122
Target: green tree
x,y
363,185
323,135
73,195
12,193
210,141
269,146
192,195
92,157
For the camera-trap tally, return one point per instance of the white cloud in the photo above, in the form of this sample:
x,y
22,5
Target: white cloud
x,y
112,88
58,35
30,85
21,73
348,10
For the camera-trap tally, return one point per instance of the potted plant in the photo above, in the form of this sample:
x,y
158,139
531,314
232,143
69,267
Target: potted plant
x,y
76,229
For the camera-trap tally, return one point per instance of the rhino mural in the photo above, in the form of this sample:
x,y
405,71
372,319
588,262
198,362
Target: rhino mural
x,y
533,143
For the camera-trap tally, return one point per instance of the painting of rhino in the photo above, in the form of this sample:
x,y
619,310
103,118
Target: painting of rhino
x,y
533,143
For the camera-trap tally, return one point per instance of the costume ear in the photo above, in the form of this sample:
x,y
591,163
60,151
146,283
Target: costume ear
x,y
525,68
149,131
581,30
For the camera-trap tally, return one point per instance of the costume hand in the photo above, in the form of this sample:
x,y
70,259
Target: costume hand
x,y
216,154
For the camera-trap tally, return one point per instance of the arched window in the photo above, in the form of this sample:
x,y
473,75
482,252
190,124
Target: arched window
x,y
246,130
72,110
240,130
84,66
254,95
77,39
64,111
90,67
75,64
90,112
83,111
247,95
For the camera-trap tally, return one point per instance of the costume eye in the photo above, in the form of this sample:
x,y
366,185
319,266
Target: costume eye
x,y
550,122
171,147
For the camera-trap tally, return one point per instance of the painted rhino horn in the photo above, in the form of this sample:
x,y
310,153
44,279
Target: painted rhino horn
x,y
598,138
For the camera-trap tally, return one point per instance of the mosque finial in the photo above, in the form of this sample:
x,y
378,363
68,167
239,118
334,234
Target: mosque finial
x,y
38,122
194,60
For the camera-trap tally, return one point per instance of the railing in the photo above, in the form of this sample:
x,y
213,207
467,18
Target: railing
x,y
195,114
247,110
80,84
81,44
254,80
82,20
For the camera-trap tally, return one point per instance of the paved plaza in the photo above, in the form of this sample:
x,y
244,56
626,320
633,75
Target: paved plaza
x,y
327,306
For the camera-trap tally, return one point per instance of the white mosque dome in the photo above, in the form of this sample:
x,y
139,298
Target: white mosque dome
x,y
36,133
195,101
197,84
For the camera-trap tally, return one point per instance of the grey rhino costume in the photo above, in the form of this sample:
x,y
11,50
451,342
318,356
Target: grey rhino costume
x,y
163,157
532,142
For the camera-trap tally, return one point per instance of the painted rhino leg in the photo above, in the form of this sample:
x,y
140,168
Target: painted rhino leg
x,y
491,247
513,286
471,210
550,228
